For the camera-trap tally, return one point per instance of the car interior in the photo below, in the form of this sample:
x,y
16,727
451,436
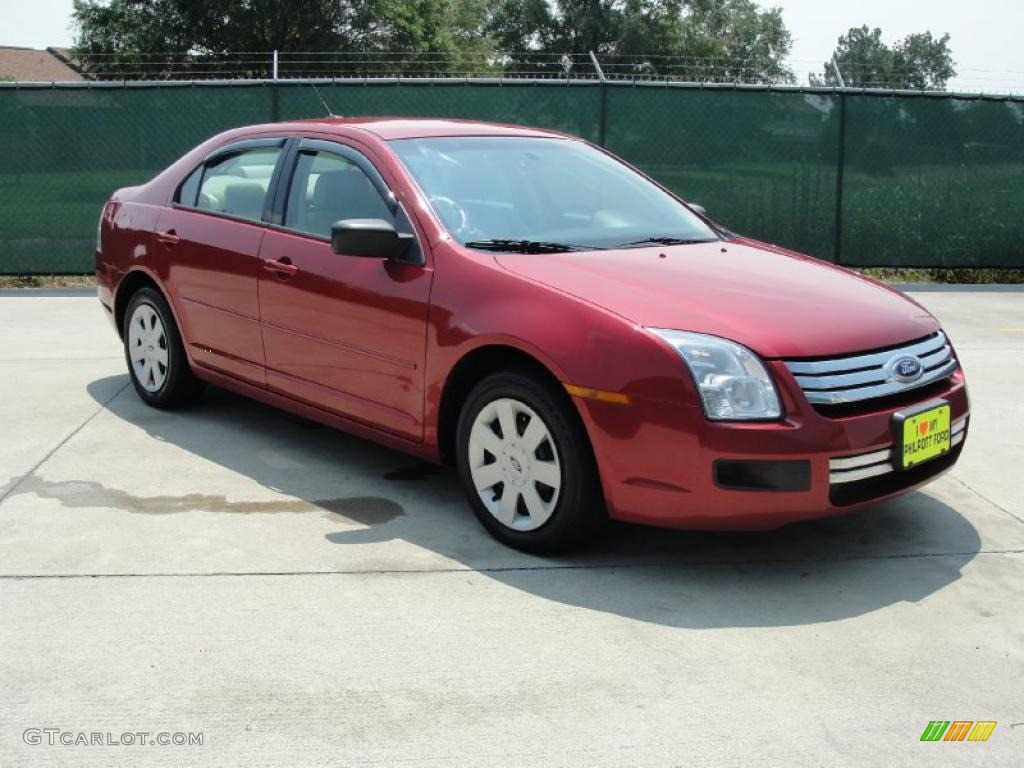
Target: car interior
x,y
332,195
238,186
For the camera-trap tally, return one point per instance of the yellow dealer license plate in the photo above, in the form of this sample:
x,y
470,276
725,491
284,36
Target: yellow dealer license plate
x,y
923,433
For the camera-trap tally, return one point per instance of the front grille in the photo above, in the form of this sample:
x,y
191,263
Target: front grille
x,y
871,488
933,391
866,376
850,469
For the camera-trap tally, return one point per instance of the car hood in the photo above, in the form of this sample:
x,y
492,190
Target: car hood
x,y
777,303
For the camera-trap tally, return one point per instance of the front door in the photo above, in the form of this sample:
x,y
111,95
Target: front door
x,y
345,333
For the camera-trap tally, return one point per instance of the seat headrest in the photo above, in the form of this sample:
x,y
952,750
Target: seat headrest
x,y
244,199
336,190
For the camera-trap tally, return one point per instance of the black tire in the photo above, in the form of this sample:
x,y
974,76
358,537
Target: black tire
x,y
180,386
579,511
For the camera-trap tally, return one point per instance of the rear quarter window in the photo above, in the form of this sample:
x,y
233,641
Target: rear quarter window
x,y
189,189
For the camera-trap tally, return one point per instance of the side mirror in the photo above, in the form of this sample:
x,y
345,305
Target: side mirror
x,y
375,238
699,208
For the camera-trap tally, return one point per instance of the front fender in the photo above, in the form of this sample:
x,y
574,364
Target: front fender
x,y
475,303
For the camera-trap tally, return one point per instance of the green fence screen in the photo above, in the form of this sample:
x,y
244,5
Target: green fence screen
x,y
863,179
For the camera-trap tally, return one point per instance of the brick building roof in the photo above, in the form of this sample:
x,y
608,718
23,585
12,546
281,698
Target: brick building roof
x,y
32,65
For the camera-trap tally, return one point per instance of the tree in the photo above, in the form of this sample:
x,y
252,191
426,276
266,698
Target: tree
x,y
151,37
586,25
519,26
724,40
734,41
919,61
926,62
154,35
541,37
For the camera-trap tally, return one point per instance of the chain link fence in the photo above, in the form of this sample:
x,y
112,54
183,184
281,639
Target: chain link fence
x,y
861,178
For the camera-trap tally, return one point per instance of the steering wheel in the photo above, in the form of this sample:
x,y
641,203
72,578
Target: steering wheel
x,y
440,201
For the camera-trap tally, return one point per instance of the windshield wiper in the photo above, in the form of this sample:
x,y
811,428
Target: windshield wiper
x,y
666,240
525,246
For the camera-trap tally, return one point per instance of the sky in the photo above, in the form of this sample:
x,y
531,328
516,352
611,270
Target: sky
x,y
985,33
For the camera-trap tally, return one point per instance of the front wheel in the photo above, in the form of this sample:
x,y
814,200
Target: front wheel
x,y
526,464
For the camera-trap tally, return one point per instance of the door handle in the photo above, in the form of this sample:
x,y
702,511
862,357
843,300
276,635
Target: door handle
x,y
169,238
282,268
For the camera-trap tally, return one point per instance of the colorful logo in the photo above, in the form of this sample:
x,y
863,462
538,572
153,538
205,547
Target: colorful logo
x,y
958,730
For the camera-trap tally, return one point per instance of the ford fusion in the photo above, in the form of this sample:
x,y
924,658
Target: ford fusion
x,y
578,341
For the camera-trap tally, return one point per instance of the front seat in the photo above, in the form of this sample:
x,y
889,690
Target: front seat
x,y
343,195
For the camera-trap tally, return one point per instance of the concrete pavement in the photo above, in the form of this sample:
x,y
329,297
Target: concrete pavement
x,y
305,598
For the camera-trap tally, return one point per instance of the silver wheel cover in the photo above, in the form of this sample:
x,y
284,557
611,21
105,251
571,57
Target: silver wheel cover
x,y
514,463
147,348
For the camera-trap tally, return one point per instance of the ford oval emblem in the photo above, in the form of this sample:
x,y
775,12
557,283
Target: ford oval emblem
x,y
905,368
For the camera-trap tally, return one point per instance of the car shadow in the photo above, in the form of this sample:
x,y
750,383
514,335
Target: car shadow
x,y
900,551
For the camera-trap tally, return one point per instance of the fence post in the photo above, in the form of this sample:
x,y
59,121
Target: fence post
x,y
839,74
275,97
602,120
837,248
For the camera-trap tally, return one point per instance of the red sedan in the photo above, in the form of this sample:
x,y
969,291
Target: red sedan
x,y
580,342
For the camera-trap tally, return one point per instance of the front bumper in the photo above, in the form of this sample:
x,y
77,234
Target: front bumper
x,y
658,460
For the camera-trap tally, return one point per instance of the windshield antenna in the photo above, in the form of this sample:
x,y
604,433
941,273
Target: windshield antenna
x,y
322,102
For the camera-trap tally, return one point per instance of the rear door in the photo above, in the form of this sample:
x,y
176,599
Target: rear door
x,y
345,333
210,240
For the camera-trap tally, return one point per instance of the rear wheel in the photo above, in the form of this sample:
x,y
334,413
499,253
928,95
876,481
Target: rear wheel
x,y
156,358
526,465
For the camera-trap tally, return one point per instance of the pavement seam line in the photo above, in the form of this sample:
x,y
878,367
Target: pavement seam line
x,y
508,569
58,359
59,445
985,498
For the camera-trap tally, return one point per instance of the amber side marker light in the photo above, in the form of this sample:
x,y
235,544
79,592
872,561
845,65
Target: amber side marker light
x,y
597,394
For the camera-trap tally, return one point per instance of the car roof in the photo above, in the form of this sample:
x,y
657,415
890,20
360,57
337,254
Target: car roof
x,y
388,128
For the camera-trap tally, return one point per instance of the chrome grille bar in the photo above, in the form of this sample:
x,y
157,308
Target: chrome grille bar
x,y
862,377
847,469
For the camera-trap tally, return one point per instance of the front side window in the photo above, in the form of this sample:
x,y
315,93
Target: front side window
x,y
327,188
491,190
237,184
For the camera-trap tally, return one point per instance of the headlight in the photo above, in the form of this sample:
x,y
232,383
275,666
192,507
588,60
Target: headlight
x,y
732,380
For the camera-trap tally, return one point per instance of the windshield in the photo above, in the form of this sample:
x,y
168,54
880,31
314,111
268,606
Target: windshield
x,y
543,195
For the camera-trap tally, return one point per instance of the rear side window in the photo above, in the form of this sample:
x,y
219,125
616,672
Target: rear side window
x,y
237,184
327,188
